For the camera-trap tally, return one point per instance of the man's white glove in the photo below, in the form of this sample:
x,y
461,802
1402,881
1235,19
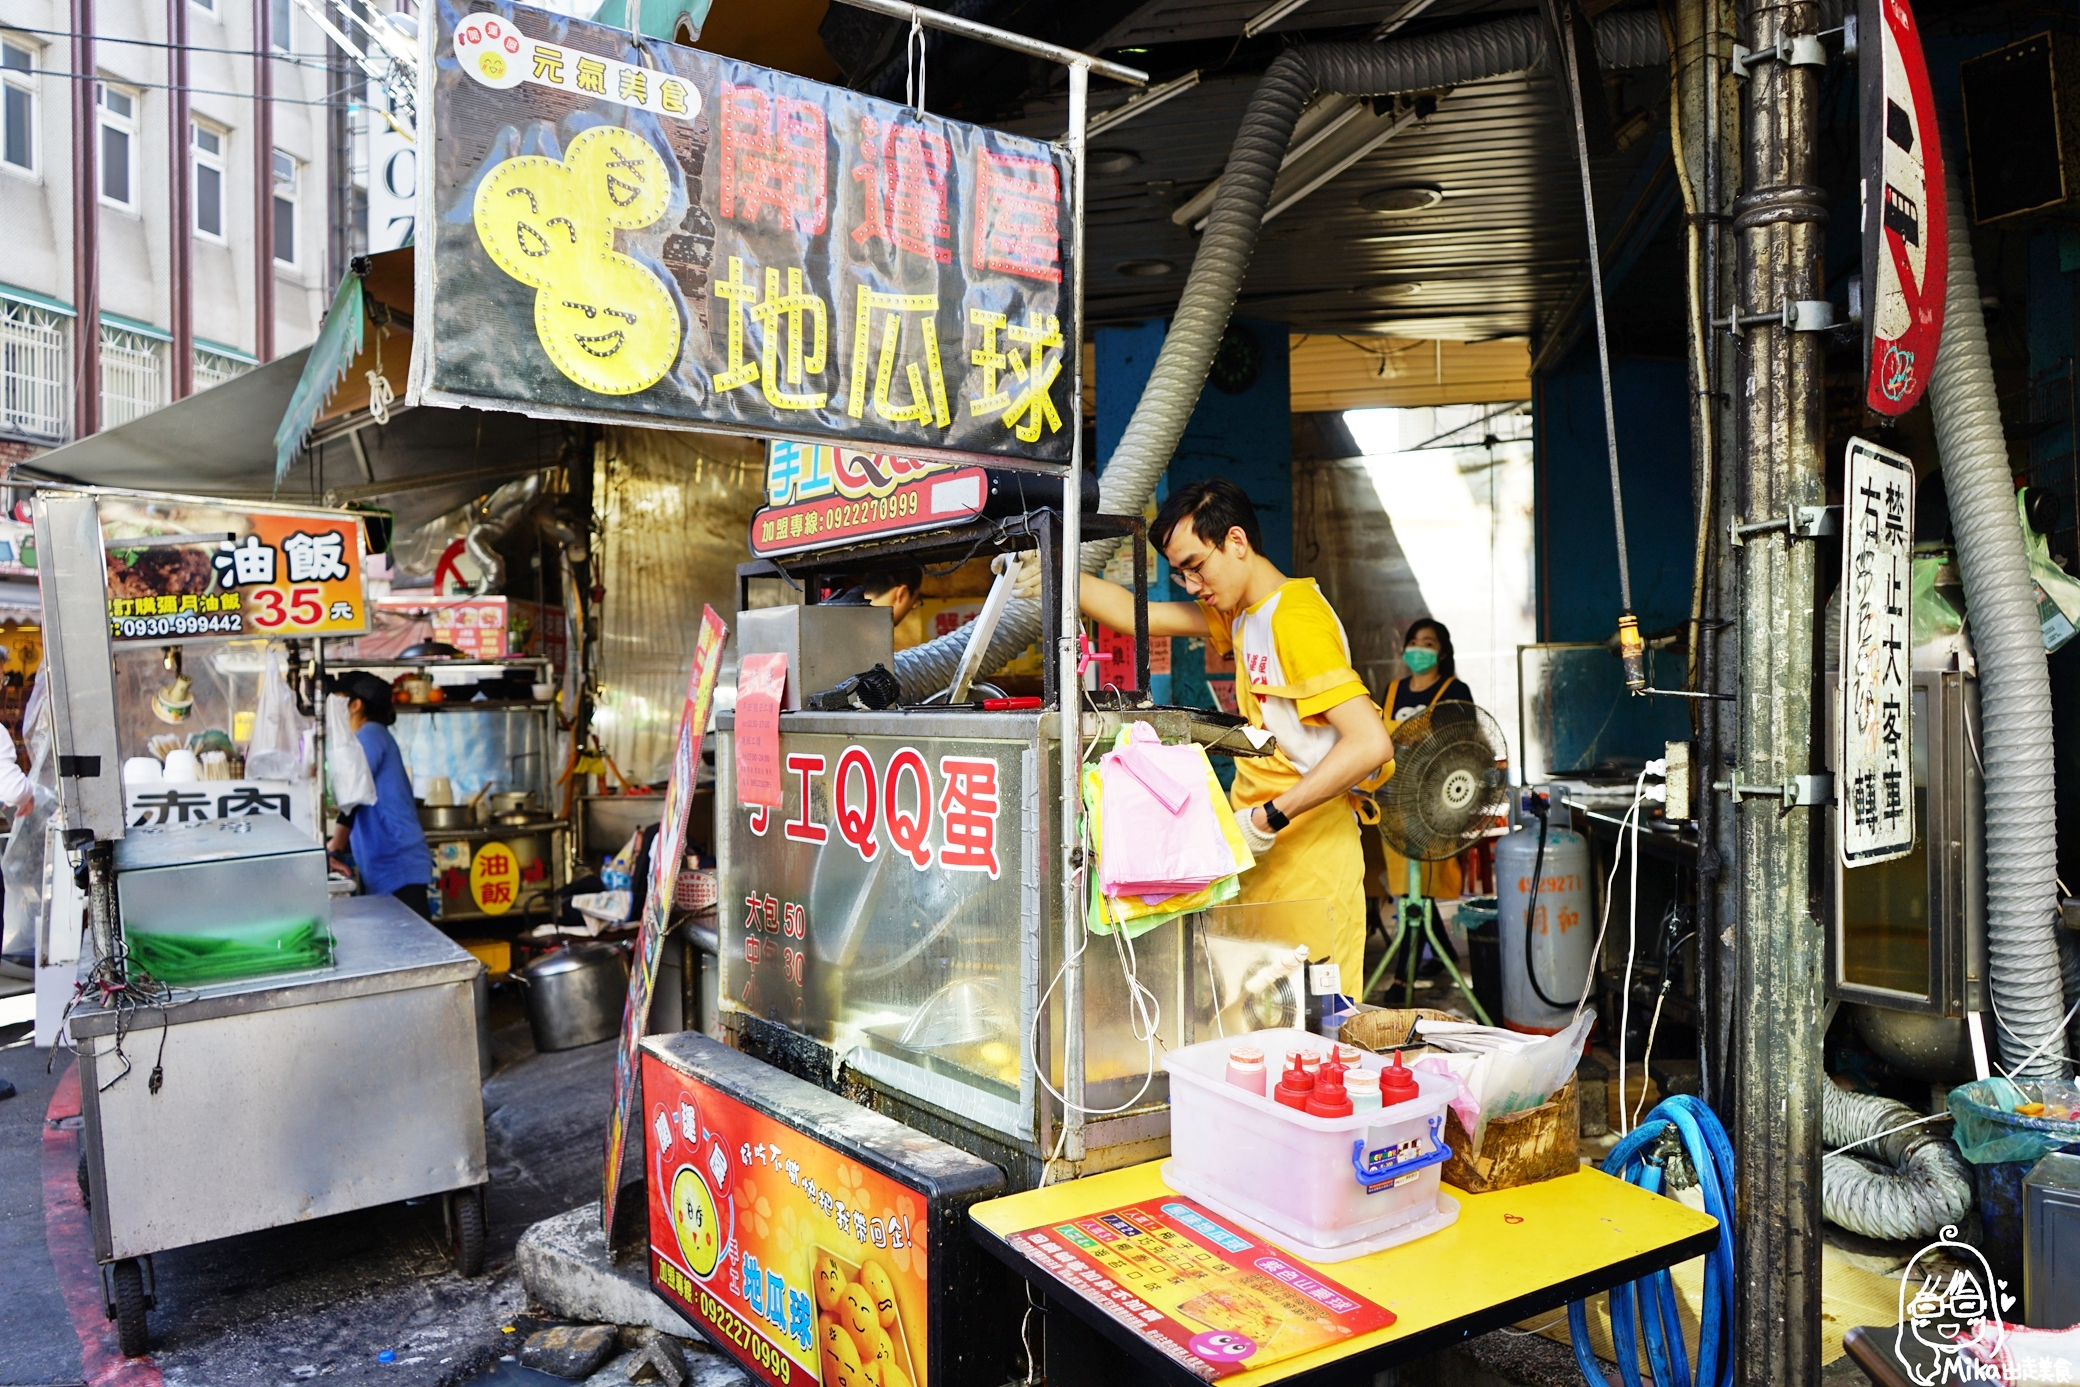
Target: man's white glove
x,y
1025,581
1260,840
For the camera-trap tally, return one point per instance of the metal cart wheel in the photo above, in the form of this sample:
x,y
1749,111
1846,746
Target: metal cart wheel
x,y
465,1210
129,1308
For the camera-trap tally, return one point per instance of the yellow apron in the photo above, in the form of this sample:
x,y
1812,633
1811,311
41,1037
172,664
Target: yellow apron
x,y
1319,857
1439,880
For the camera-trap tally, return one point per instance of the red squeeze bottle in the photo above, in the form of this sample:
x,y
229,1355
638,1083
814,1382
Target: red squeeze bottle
x,y
1329,1098
1396,1083
1295,1085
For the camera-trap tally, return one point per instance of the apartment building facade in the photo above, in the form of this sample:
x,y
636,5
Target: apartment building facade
x,y
248,179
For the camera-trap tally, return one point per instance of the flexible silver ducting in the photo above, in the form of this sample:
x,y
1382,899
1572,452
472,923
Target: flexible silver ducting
x,y
2014,680
1395,65
1907,1185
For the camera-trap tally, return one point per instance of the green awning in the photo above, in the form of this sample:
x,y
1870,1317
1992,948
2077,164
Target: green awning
x,y
339,342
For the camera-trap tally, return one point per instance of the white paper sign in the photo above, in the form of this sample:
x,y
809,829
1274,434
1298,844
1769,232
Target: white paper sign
x,y
175,804
1875,789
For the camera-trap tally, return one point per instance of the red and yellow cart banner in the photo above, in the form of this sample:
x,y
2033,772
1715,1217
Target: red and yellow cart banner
x,y
803,1264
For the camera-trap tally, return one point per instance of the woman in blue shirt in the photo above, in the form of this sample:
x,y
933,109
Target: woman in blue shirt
x,y
389,846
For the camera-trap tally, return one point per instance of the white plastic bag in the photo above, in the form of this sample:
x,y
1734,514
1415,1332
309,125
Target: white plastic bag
x,y
352,783
276,751
1506,1071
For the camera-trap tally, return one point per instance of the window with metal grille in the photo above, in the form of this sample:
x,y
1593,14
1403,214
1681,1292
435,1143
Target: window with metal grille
x,y
132,376
35,372
214,368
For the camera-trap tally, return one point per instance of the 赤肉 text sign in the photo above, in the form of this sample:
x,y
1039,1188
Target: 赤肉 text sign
x,y
636,228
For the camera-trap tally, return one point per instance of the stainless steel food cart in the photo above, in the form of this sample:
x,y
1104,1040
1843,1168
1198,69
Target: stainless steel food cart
x,y
349,1082
894,929
339,1089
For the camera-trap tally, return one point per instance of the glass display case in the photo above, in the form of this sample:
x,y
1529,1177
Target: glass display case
x,y
216,902
901,908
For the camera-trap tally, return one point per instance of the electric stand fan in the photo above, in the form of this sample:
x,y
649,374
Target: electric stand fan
x,y
1448,785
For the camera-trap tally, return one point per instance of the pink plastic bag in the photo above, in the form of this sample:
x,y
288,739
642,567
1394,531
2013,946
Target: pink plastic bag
x,y
1160,834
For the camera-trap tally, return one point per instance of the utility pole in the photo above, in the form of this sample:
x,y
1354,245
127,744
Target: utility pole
x,y
263,180
1708,107
180,206
86,227
1775,991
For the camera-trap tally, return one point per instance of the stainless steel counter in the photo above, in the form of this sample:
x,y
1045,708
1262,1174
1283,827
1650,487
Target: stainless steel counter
x,y
287,1098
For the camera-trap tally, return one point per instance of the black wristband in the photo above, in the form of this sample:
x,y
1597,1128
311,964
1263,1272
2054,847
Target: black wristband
x,y
1274,816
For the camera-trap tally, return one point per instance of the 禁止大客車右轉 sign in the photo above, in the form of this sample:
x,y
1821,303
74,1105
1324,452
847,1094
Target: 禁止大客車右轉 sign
x,y
630,229
1877,676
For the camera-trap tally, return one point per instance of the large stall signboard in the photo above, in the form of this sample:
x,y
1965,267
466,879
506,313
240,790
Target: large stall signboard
x,y
1876,735
627,228
207,572
1906,229
802,1264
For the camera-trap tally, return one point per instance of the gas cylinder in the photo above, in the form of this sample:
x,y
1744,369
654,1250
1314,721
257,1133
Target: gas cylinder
x,y
1540,986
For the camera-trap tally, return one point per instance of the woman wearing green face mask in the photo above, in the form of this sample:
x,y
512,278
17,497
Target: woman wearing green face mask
x,y
1432,678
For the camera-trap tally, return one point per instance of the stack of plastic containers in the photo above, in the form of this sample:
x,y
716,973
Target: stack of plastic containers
x,y
1332,1164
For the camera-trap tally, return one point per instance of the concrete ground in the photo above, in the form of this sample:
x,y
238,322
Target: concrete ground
x,y
317,1301
324,1300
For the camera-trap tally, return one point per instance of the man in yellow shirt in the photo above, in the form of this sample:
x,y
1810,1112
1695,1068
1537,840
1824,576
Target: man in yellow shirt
x,y
1293,677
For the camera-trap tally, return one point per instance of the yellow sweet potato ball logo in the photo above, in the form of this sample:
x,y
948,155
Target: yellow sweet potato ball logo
x,y
604,319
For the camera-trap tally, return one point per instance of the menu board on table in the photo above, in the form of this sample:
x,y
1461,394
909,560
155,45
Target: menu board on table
x,y
1214,1299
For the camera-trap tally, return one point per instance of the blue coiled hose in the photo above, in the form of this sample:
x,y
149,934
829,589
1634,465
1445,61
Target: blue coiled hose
x,y
1639,1159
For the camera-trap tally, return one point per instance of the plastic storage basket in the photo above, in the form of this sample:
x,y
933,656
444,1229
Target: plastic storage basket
x,y
1329,1188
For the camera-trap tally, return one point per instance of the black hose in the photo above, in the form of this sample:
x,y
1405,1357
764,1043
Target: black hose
x,y
1538,870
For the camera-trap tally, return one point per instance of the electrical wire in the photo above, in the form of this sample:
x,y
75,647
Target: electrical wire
x,y
1631,952
1562,36
192,91
1880,1136
318,61
1145,1008
1646,1059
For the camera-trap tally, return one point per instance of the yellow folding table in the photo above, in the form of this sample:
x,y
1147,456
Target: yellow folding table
x,y
1129,1267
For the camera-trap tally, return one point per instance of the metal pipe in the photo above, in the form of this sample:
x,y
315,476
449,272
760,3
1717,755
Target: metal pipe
x,y
263,180
1778,953
86,227
1004,38
1563,18
103,921
1069,709
180,206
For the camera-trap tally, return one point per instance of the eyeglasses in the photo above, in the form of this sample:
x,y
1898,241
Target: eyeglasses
x,y
1191,568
